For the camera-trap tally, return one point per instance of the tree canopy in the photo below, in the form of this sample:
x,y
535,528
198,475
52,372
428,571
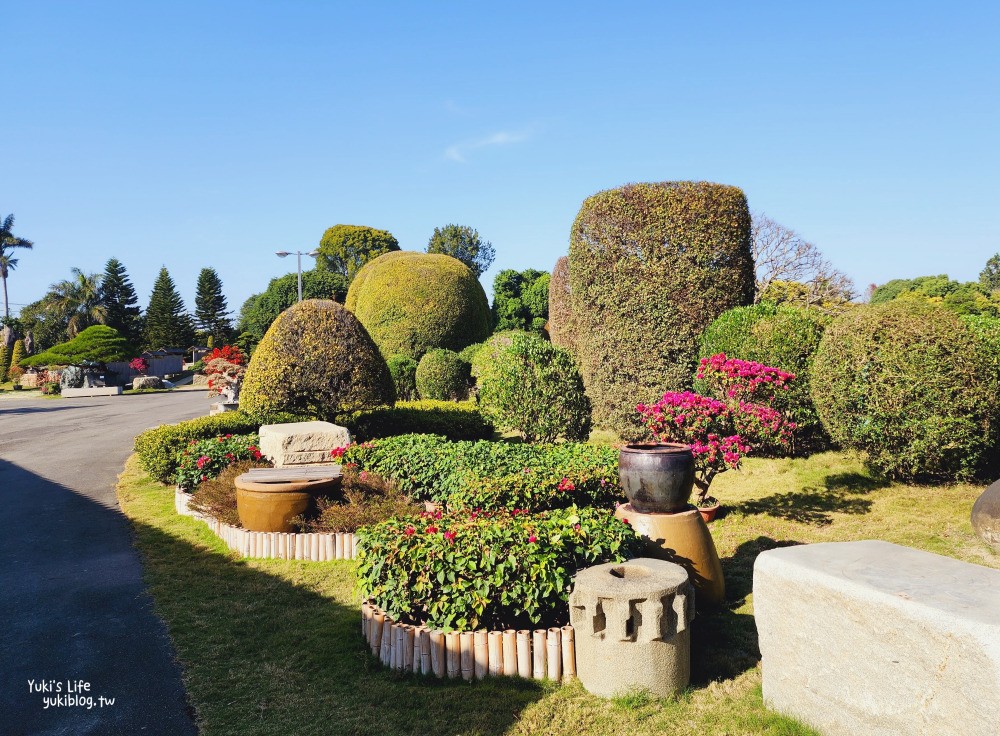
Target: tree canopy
x,y
968,297
96,344
344,249
989,278
463,242
121,304
521,300
260,310
211,311
9,243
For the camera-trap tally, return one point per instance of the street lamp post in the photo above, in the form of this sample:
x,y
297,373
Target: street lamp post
x,y
299,253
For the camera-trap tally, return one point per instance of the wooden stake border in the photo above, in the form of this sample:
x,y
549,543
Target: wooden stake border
x,y
467,654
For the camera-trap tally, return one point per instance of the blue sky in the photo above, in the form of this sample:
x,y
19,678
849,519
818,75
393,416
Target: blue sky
x,y
193,134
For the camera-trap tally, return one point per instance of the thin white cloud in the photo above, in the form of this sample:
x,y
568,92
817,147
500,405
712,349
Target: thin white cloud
x,y
459,151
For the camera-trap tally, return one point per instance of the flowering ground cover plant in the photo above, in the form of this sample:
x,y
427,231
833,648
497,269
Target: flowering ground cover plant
x,y
204,459
493,475
466,570
723,428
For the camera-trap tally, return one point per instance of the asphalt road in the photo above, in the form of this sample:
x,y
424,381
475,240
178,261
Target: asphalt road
x,y
72,602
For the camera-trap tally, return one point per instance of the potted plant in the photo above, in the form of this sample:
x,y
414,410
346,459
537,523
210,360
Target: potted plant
x,y
723,428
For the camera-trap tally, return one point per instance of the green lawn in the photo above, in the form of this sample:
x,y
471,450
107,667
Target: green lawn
x,y
274,646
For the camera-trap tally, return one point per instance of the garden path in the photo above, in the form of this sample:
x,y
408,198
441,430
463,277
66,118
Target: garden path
x,y
73,605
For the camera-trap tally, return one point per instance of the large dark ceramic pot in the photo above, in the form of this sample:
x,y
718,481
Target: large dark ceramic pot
x,y
657,478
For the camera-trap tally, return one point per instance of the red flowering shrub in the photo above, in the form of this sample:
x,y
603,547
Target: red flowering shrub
x,y
140,365
466,570
722,430
230,353
205,459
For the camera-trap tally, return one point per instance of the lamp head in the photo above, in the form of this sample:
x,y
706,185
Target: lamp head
x,y
313,253
282,253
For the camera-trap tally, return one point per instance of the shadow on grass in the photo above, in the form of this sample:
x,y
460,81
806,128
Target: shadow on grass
x,y
724,641
267,653
840,493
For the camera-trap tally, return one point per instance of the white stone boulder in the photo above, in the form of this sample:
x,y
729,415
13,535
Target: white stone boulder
x,y
877,639
301,443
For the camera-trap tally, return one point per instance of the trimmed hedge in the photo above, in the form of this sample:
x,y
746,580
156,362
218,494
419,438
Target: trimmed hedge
x,y
403,370
781,336
535,389
451,419
158,448
442,375
652,265
414,302
562,323
908,383
96,344
494,475
469,570
316,359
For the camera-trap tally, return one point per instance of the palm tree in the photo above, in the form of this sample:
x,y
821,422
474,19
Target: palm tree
x,y
78,301
8,242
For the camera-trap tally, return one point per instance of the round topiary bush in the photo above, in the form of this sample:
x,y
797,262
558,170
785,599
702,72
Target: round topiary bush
x,y
650,267
443,376
315,359
535,388
414,302
907,383
487,354
403,370
783,337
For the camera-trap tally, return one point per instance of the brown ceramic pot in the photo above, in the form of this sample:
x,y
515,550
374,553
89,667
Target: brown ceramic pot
x,y
270,507
657,478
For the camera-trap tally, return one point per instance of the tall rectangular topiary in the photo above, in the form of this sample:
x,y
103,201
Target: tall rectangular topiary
x,y
650,266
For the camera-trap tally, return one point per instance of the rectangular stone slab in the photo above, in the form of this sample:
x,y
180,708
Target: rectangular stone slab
x,y
878,639
301,442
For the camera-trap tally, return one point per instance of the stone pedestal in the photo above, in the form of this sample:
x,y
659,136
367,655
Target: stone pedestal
x,y
682,538
630,621
301,443
222,407
874,638
986,516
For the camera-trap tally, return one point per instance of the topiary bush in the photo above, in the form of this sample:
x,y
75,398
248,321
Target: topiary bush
x,y
473,570
316,359
784,337
451,419
562,324
535,389
493,475
987,331
403,370
484,358
651,266
414,302
5,354
158,449
443,376
908,384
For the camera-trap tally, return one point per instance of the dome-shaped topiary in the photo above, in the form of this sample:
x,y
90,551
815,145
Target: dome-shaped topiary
x,y
414,302
488,353
781,336
534,388
442,375
650,267
907,383
315,359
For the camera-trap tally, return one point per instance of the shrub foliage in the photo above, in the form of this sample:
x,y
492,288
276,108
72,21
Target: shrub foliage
x,y
470,570
415,302
315,359
909,384
562,325
205,459
443,376
784,337
366,499
652,265
451,419
535,389
97,344
403,370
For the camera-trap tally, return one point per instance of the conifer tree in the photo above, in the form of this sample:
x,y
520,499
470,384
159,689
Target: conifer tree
x,y
4,362
211,310
121,302
168,324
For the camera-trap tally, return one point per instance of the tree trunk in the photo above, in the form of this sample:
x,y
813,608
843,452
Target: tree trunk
x,y
6,307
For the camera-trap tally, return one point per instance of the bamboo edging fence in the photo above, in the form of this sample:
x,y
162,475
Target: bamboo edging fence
x,y
538,654
314,546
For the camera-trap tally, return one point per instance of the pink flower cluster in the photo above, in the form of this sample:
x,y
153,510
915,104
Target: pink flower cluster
x,y
742,379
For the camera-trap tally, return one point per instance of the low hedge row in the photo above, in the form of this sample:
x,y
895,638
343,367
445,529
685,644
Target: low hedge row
x,y
454,420
493,475
473,570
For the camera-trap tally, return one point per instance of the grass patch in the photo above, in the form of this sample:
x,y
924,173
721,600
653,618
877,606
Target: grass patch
x,y
274,646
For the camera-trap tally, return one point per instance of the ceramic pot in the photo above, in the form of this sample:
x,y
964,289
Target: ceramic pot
x,y
270,507
657,478
708,512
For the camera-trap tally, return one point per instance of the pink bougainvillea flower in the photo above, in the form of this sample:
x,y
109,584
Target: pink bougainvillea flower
x,y
532,539
450,536
409,531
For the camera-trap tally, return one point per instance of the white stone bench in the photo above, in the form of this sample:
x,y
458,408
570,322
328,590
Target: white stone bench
x,y
91,391
876,639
